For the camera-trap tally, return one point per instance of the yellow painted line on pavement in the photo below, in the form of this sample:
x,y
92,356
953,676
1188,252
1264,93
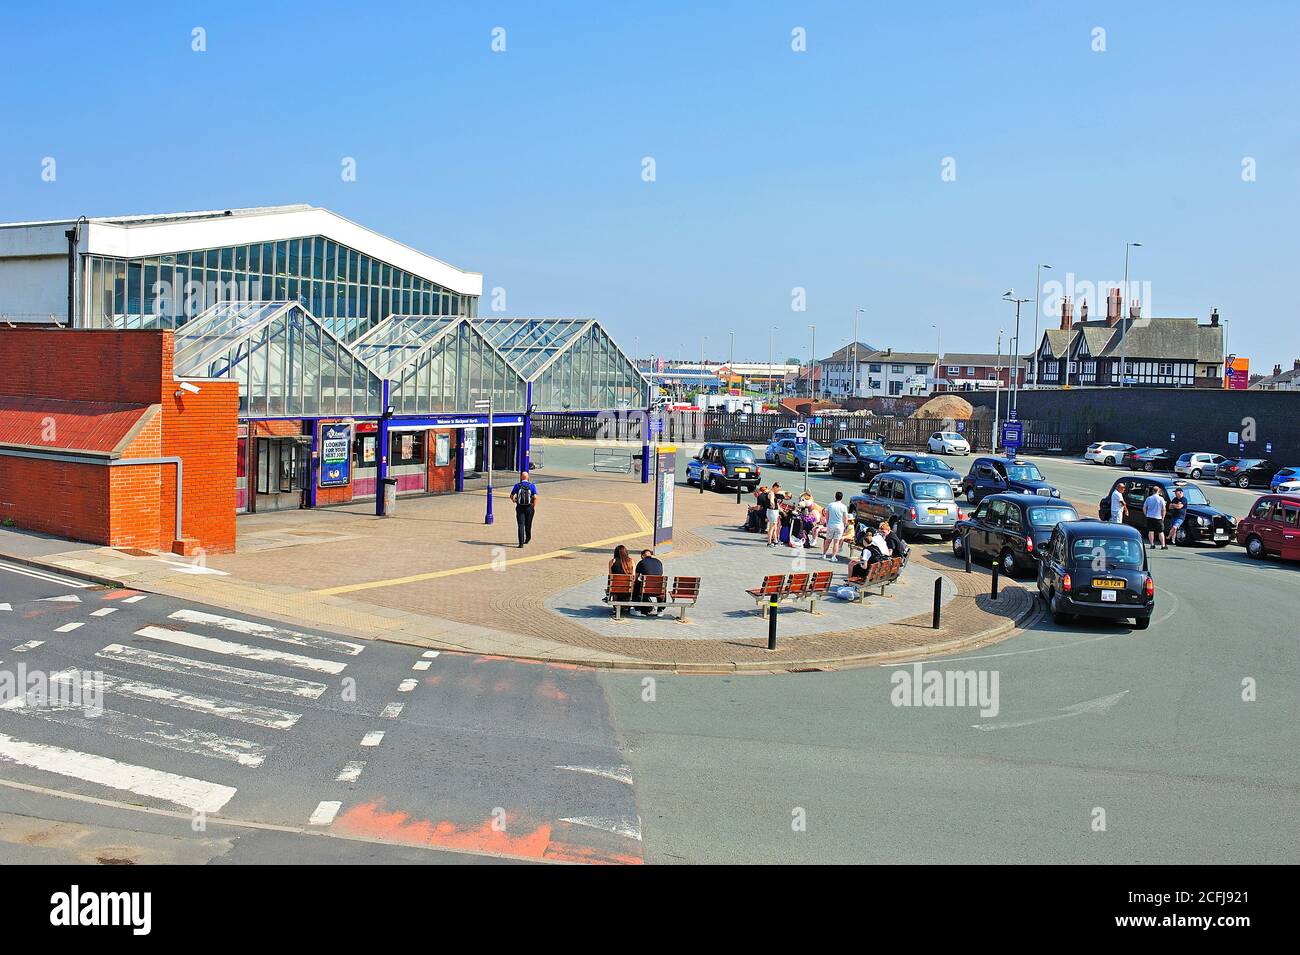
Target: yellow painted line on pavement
x,y
645,528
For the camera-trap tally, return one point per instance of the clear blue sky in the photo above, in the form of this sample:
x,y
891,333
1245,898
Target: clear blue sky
x,y
775,169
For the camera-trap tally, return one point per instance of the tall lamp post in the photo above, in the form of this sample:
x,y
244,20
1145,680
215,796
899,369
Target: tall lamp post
x,y
997,397
771,338
1123,324
853,380
812,362
485,404
1038,285
938,354
1013,355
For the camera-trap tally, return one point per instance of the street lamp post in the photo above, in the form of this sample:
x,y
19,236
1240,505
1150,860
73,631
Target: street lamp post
x,y
1013,355
1123,342
997,398
853,380
771,338
812,362
1038,285
485,404
938,354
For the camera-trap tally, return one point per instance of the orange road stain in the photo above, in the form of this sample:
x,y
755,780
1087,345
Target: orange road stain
x,y
370,819
433,679
549,691
564,852
490,658
118,594
502,686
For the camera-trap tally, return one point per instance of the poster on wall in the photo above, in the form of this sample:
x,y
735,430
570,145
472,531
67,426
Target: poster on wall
x,y
368,444
441,450
665,483
335,455
470,437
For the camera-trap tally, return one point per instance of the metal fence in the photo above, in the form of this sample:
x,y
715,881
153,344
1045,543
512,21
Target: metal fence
x,y
899,433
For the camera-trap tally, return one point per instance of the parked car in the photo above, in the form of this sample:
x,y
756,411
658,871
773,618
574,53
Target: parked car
x,y
915,502
779,435
994,475
1246,472
1150,459
1107,452
1272,527
860,458
949,442
1197,464
1288,487
791,454
1204,522
1011,529
1284,476
721,465
923,464
1096,569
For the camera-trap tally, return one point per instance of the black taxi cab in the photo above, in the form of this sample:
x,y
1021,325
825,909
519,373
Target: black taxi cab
x,y
1202,521
1096,569
721,465
1010,529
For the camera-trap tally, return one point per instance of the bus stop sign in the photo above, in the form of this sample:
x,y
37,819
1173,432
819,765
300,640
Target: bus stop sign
x,y
1012,435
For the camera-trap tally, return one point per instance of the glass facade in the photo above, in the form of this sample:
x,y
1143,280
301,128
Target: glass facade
x,y
451,370
347,291
286,362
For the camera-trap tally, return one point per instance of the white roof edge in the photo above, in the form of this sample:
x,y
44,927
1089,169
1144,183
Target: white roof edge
x,y
138,236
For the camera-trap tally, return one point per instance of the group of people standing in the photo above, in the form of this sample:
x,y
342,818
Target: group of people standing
x,y
801,522
1156,512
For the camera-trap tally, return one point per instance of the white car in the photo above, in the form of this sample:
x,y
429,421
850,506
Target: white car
x,y
1287,487
948,442
1107,452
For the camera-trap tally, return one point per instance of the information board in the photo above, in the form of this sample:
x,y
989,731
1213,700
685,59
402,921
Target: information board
x,y
335,455
665,485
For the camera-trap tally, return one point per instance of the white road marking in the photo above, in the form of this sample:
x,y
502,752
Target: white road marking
x,y
351,772
372,738
141,729
194,794
135,600
267,716
629,826
7,607
103,611
65,599
29,645
622,774
406,686
68,627
324,813
1095,707
421,665
430,654
250,629
269,682
47,576
391,711
211,644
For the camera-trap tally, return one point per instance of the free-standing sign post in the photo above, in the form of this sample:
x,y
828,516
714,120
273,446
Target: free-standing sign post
x,y
335,454
1012,437
486,404
665,481
801,442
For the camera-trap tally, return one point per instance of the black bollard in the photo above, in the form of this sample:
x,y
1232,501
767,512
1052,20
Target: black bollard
x,y
938,597
737,493
965,549
771,623
995,580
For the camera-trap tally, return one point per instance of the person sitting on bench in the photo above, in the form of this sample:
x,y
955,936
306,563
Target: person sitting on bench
x,y
648,566
621,563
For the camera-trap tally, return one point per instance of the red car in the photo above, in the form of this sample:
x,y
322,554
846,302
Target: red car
x,y
1272,527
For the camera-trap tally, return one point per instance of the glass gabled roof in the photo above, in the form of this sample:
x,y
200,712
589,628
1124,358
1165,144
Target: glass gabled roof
x,y
530,343
399,338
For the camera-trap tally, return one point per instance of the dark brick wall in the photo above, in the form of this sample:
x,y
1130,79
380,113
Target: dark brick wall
x,y
1200,419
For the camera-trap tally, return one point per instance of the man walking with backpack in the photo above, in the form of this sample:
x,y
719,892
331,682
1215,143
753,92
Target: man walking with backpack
x,y
524,494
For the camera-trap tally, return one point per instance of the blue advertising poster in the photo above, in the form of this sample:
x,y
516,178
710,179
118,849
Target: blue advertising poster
x,y
335,455
665,480
1011,435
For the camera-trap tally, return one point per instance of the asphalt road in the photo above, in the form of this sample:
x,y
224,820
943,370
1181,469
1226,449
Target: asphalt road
x,y
1093,743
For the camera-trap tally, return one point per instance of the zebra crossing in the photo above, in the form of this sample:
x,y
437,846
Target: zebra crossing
x,y
248,684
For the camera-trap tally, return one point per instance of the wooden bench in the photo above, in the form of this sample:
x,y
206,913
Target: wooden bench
x,y
817,586
880,574
655,594
809,587
762,594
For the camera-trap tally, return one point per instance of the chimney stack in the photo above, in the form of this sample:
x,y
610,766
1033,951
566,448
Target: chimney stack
x,y
1083,311
1067,314
1295,365
1277,370
1214,318
1135,310
1112,306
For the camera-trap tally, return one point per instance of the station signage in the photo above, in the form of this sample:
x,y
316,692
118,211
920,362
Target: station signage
x,y
336,454
665,481
1012,435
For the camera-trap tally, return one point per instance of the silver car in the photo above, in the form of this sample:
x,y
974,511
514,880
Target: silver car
x,y
913,502
1197,464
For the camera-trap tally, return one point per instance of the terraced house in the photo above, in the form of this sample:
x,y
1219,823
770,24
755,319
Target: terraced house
x,y
1152,352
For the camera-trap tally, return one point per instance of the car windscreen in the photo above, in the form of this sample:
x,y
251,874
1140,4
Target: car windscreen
x,y
1107,553
1249,462
738,455
1024,472
1193,495
952,436
1051,516
815,448
932,465
869,449
930,491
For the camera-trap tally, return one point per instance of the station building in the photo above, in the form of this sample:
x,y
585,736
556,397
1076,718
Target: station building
x,y
285,358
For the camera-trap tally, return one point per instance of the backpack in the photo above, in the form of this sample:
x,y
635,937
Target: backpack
x,y
524,496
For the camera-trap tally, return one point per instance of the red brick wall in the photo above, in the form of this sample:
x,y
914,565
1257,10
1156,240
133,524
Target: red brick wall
x,y
64,499
83,364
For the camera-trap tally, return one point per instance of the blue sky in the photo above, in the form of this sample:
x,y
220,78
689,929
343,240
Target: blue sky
x,y
775,169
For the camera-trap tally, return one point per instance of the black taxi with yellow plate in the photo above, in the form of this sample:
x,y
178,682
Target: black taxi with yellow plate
x,y
1096,569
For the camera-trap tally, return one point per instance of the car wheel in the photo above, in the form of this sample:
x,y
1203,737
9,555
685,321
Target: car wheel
x,y
1059,617
1141,623
1110,460
1149,467
970,496
713,484
1196,474
959,546
1254,547
1008,562
1243,481
1181,539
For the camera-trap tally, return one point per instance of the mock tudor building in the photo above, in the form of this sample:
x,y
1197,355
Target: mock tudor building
x,y
1155,352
